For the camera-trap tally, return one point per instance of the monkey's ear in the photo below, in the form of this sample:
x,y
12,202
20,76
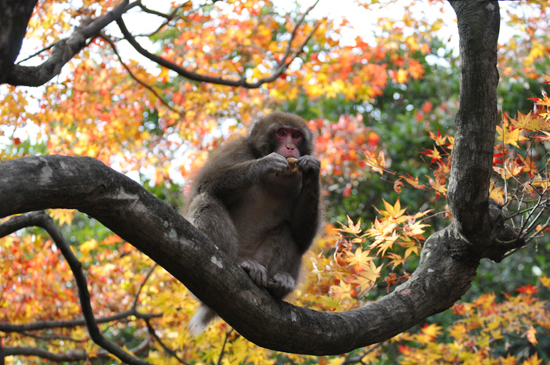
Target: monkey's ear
x,y
261,138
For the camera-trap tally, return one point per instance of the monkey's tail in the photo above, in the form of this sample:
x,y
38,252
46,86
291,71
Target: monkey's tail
x,y
200,320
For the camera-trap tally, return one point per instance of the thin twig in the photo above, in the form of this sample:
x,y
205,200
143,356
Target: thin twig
x,y
279,70
113,46
41,219
134,305
157,338
358,359
223,346
38,52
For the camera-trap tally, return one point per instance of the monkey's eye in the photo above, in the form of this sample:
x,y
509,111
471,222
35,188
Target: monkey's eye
x,y
296,135
281,132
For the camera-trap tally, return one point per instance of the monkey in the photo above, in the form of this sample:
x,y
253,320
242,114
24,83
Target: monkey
x,y
258,199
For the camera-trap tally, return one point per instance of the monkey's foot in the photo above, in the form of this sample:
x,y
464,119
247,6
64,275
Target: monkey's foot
x,y
281,284
257,272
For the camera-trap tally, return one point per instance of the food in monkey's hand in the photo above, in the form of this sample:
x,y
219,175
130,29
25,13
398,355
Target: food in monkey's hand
x,y
292,161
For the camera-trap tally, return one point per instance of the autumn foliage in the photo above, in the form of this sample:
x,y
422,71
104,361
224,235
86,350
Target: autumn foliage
x,y
157,126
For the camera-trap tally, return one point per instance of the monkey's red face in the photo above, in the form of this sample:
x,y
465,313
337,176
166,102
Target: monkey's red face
x,y
288,141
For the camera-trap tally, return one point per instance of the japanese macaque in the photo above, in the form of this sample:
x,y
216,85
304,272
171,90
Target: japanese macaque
x,y
258,199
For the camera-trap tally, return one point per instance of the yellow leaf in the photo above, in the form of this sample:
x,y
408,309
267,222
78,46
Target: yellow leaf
x,y
508,135
377,163
88,246
531,331
359,257
432,330
402,76
62,215
342,291
350,228
392,211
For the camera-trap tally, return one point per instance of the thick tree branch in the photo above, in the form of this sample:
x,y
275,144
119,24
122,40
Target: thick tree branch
x,y
472,166
62,51
445,272
13,26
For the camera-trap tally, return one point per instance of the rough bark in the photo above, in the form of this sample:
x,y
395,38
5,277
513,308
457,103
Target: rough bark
x,y
448,261
15,15
62,51
468,195
161,233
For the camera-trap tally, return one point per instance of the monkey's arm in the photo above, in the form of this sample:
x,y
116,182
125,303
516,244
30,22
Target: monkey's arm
x,y
229,182
306,216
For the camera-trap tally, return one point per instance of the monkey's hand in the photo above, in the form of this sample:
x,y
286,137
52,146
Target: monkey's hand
x,y
309,165
257,272
273,163
281,284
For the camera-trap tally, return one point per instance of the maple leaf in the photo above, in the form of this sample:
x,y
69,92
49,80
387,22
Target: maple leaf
x,y
529,166
62,215
511,168
413,181
510,135
370,273
380,230
526,121
544,102
439,189
88,246
397,186
359,257
545,280
439,139
376,162
392,211
385,244
350,228
527,289
342,291
434,154
496,193
458,331
509,360
410,245
395,260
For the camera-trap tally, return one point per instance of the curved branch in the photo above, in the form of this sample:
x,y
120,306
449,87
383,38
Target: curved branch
x,y
281,67
15,18
63,51
444,275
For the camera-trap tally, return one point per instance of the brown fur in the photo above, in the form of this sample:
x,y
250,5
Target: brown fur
x,y
257,210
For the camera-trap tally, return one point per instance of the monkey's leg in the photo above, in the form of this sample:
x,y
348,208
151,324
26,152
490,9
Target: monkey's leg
x,y
209,215
284,267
